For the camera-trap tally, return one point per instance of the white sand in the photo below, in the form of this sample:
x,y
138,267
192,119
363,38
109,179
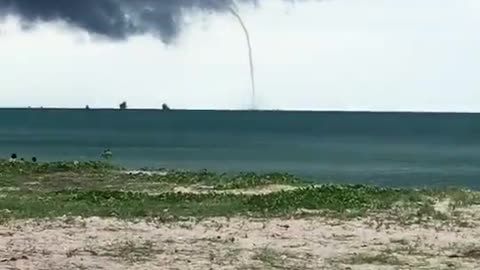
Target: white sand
x,y
239,243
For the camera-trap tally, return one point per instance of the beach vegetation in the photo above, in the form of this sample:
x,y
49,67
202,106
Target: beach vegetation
x,y
97,188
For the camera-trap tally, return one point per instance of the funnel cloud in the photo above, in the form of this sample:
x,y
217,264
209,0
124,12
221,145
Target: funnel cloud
x,y
119,19
115,19
250,56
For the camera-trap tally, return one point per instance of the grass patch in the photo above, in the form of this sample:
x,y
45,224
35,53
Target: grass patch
x,y
270,258
27,167
273,259
250,180
128,251
331,198
131,251
369,259
44,177
220,181
100,189
469,253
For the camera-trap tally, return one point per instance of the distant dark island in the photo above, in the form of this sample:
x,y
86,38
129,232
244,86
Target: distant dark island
x,y
123,105
165,107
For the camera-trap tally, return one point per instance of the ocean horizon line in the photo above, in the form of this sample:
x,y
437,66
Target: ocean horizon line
x,y
241,110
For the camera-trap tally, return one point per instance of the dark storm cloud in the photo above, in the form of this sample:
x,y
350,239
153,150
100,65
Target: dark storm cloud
x,y
116,19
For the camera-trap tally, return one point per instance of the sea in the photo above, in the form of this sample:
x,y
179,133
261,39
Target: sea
x,y
391,149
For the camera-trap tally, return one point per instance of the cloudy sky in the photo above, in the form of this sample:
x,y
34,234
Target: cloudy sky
x,y
415,55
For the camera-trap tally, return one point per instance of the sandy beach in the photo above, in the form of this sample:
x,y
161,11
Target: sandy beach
x,y
238,243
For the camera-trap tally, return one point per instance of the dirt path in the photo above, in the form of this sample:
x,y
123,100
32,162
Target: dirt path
x,y
239,243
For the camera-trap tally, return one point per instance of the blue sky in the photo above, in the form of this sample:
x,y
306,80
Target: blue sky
x,y
409,55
